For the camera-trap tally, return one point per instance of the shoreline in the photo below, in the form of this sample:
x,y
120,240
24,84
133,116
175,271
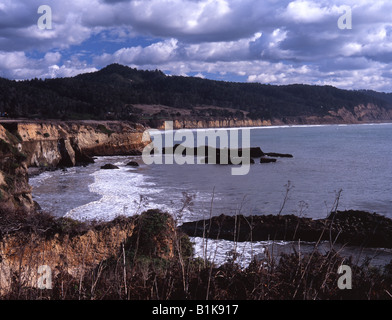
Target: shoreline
x,y
387,122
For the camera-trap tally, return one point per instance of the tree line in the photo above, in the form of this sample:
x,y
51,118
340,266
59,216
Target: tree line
x,y
113,92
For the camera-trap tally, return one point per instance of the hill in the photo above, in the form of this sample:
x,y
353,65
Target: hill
x,y
118,92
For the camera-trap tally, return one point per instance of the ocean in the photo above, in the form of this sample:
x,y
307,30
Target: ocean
x,y
348,163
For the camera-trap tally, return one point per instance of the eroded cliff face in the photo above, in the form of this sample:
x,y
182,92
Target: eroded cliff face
x,y
65,143
363,113
15,192
369,113
22,254
73,248
57,144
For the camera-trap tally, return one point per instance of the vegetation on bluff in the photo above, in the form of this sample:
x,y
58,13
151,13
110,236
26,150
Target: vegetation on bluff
x,y
156,262
113,92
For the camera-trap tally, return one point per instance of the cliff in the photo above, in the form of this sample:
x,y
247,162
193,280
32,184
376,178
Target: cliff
x,y
369,113
23,253
15,191
57,144
68,247
53,143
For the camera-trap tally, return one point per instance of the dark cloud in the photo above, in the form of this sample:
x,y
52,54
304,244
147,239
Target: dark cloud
x,y
275,41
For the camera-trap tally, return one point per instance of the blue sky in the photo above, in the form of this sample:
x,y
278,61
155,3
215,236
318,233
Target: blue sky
x,y
270,41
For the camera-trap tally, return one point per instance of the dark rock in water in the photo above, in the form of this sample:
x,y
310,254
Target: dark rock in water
x,y
109,166
67,153
279,155
80,157
132,164
267,160
356,228
254,152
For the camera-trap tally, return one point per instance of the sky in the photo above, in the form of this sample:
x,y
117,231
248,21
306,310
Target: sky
x,y
343,43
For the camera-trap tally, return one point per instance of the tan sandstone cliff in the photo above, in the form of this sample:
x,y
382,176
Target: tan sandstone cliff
x,y
23,254
54,143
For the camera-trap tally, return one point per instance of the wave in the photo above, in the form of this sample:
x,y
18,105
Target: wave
x,y
243,253
126,192
121,194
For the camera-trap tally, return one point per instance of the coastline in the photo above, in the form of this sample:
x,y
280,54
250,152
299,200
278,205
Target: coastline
x,y
267,210
104,244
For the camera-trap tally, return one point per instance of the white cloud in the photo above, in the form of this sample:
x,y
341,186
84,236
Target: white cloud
x,y
277,41
305,11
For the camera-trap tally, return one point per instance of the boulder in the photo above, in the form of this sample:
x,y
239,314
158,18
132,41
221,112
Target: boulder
x,y
254,152
80,157
109,166
132,164
67,153
279,155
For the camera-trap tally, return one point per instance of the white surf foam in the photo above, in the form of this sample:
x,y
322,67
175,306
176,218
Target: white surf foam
x,y
220,251
121,194
39,179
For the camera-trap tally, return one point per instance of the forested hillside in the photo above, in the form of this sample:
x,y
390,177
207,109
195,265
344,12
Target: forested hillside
x,y
119,92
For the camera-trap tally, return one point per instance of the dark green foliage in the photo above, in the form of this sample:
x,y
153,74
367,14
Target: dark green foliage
x,y
152,228
111,93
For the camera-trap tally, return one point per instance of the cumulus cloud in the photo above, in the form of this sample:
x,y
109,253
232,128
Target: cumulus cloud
x,y
271,41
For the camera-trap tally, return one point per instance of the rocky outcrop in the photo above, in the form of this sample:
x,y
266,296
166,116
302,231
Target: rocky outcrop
x,y
109,166
133,164
70,247
53,144
23,253
278,155
355,228
254,152
15,192
226,156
